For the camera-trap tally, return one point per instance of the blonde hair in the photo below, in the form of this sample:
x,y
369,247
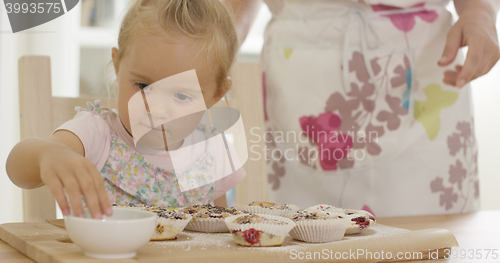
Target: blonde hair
x,y
205,20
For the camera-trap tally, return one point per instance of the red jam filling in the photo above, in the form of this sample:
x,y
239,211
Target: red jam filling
x,y
361,221
251,236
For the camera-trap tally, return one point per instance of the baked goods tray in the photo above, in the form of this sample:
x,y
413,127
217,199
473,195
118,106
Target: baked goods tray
x,y
44,242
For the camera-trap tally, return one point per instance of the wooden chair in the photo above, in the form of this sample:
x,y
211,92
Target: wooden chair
x,y
41,114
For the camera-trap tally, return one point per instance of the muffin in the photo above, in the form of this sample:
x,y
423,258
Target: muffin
x,y
318,226
208,218
269,208
259,230
359,219
169,224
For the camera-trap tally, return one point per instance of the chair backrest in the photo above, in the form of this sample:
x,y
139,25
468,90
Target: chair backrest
x,y
41,114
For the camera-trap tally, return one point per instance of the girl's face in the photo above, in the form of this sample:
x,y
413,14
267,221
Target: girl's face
x,y
161,75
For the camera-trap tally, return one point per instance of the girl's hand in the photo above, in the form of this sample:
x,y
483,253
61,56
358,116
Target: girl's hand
x,y
61,168
475,29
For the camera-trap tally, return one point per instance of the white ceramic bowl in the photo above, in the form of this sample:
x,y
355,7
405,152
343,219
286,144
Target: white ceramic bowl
x,y
114,237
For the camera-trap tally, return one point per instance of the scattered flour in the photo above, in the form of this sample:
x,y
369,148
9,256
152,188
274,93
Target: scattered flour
x,y
188,240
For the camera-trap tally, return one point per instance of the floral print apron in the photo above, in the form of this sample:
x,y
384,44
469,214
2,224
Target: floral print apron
x,y
357,114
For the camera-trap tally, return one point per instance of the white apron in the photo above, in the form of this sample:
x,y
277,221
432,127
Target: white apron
x,y
357,114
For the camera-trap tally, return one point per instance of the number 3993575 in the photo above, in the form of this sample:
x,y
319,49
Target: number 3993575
x,y
465,253
33,8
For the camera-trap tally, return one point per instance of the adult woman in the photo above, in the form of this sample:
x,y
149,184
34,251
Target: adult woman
x,y
378,100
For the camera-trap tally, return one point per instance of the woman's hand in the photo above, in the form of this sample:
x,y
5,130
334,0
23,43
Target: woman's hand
x,y
475,29
62,169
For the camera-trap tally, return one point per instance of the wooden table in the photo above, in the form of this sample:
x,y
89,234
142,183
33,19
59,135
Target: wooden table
x,y
473,231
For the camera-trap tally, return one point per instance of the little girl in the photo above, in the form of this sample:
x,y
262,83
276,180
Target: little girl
x,y
95,155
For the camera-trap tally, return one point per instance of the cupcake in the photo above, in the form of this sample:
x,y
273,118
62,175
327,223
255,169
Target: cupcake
x,y
169,223
269,208
208,218
359,219
318,226
259,230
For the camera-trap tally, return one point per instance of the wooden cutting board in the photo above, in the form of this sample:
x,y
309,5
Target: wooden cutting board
x,y
44,242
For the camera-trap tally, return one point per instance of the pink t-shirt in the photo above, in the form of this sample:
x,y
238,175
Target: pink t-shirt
x,y
93,130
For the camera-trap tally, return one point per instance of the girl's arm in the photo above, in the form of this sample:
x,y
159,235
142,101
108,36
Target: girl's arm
x,y
23,165
476,29
244,12
59,163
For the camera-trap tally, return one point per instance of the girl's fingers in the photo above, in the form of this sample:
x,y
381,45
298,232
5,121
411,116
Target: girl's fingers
x,y
88,189
73,190
57,190
102,194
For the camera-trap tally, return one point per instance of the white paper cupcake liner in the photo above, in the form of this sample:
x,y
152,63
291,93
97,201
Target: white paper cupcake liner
x,y
208,225
169,228
320,230
269,211
352,227
274,229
